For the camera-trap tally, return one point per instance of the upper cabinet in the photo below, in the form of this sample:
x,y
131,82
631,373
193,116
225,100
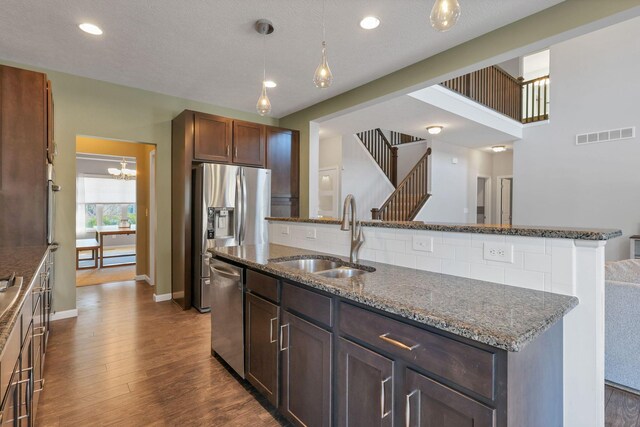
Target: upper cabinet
x,y
248,143
282,158
212,138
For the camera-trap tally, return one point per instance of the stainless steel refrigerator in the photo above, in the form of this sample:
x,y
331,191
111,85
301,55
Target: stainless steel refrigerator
x,y
230,206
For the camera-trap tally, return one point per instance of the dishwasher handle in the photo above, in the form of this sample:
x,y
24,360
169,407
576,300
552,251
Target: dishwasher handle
x,y
228,274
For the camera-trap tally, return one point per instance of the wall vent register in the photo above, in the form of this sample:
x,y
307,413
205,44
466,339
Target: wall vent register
x,y
606,136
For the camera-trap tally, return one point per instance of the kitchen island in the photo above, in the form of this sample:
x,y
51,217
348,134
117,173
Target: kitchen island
x,y
396,344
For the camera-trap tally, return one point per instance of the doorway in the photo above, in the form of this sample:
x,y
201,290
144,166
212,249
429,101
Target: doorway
x,y
483,205
506,200
115,211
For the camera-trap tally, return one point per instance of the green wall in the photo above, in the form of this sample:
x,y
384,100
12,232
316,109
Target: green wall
x,y
95,108
565,20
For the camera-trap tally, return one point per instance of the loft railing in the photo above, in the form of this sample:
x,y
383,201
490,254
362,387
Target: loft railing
x,y
385,155
535,100
493,87
398,138
410,195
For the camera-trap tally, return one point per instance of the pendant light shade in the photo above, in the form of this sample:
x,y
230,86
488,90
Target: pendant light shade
x,y
323,77
264,105
445,14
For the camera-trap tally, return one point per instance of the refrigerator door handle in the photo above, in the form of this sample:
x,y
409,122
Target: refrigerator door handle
x,y
243,230
239,207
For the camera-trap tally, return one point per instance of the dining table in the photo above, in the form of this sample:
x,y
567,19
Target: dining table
x,y
112,230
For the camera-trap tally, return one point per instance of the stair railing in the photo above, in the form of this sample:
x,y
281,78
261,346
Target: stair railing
x,y
535,100
385,155
398,138
410,195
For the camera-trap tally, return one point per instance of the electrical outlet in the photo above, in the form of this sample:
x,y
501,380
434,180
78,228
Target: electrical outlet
x,y
494,251
311,234
284,230
423,244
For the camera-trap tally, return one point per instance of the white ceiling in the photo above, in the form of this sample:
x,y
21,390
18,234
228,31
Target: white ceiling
x,y
411,116
207,50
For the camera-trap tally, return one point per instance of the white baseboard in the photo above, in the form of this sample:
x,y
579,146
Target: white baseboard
x,y
161,297
59,315
144,278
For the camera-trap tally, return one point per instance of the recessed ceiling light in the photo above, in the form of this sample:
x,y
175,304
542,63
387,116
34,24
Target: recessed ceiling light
x,y
270,84
90,28
499,148
370,22
434,130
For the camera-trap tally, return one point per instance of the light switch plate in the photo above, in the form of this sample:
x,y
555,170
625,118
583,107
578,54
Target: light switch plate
x,y
284,230
423,243
494,251
311,234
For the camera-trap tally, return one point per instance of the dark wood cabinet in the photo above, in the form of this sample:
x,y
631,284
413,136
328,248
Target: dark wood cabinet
x,y
261,346
212,139
283,154
306,372
51,145
248,144
431,404
23,157
365,387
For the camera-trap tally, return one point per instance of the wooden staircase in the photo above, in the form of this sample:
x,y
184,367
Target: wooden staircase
x,y
411,194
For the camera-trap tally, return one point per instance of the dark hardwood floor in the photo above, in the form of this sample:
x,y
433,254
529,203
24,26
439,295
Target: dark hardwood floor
x,y
129,361
622,409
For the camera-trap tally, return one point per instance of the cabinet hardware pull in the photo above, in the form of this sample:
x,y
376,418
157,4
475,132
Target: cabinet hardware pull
x,y
29,369
282,337
38,290
227,274
43,329
41,381
227,151
271,339
382,398
235,152
408,408
385,337
21,382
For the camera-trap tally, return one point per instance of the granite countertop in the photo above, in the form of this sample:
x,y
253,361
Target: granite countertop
x,y
510,230
501,316
24,261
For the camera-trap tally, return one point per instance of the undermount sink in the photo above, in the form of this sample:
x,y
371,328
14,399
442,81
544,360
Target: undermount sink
x,y
310,265
342,273
333,269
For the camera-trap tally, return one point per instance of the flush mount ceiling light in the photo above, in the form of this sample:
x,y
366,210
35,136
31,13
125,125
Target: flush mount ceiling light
x,y
90,28
445,14
263,106
123,173
369,22
270,84
434,130
499,148
322,78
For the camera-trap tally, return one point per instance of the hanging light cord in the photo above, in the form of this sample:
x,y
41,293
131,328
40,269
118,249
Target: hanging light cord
x,y
264,58
323,32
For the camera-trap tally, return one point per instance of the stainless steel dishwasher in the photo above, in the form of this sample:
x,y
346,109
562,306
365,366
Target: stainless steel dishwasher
x,y
227,313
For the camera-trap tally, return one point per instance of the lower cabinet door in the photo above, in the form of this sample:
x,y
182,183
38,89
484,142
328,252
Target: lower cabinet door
x,y
431,404
261,345
306,372
365,387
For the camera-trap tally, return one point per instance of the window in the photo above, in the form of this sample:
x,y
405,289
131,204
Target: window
x,y
104,201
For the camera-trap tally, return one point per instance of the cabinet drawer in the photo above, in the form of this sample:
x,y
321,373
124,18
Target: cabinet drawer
x,y
463,364
262,285
307,303
9,359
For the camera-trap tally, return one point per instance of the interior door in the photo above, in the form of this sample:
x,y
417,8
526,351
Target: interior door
x,y
481,201
506,203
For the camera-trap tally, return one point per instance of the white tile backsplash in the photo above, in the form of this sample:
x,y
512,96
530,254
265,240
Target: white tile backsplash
x,y
538,263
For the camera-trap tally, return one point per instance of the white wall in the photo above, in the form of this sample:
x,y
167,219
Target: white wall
x,y
594,86
362,177
330,152
453,186
408,155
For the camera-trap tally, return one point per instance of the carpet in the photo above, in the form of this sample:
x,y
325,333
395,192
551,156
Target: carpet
x,y
105,275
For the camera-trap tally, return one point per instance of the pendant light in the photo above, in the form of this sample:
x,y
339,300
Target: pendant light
x,y
323,77
445,14
264,27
